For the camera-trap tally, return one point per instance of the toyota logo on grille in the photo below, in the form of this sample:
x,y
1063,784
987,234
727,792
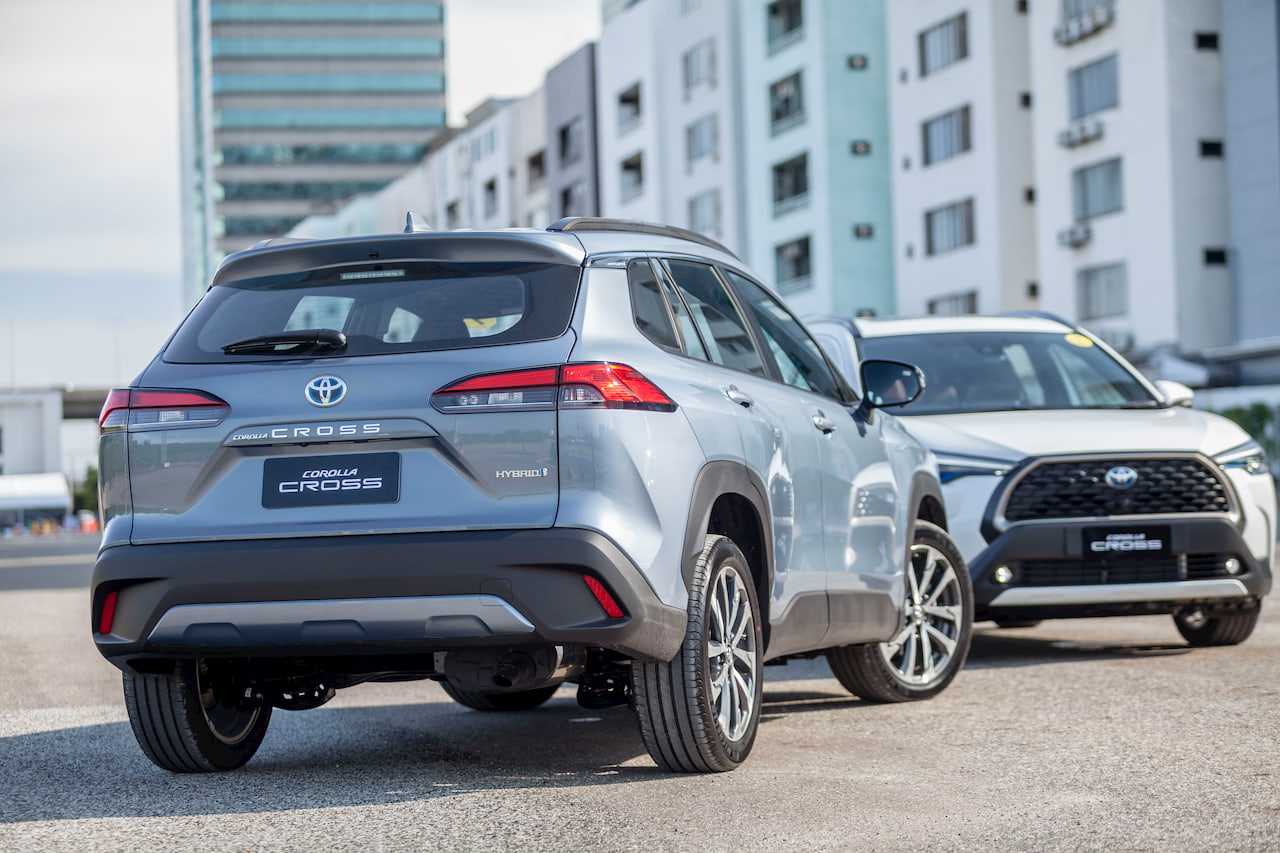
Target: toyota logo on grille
x,y
326,391
1121,477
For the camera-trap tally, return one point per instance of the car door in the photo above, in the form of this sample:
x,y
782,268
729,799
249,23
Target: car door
x,y
780,443
862,489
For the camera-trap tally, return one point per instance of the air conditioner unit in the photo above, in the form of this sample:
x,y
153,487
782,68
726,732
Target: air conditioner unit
x,y
1101,16
1086,25
1073,30
1068,138
1075,236
1089,130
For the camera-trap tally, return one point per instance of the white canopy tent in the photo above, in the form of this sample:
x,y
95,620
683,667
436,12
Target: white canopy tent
x,y
26,497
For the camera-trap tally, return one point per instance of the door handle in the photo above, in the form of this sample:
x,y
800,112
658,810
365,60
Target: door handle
x,y
743,400
823,423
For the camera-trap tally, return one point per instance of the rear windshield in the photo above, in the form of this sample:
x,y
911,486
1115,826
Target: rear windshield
x,y
417,307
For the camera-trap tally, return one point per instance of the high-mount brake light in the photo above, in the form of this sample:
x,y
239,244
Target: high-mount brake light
x,y
139,409
585,385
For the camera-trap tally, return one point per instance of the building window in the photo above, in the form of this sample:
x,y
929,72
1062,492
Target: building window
x,y
573,200
943,44
949,227
629,108
687,6
1211,148
537,169
786,103
572,141
786,23
491,197
704,213
1093,87
955,304
632,176
1215,257
700,66
1080,8
1097,189
792,265
790,183
1206,41
1102,292
946,136
452,218
701,139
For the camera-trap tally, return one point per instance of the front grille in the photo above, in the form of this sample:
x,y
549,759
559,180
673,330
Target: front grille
x,y
1079,489
1122,570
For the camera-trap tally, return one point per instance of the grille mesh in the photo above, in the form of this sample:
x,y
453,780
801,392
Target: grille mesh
x,y
1120,570
1079,490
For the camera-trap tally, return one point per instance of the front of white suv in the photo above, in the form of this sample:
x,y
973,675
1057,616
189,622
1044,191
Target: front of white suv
x,y
1076,487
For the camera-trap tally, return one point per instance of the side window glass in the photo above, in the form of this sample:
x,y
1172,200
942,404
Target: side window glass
x,y
693,346
800,360
649,306
723,330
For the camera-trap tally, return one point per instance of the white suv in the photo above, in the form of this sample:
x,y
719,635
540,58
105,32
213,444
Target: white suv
x,y
1074,486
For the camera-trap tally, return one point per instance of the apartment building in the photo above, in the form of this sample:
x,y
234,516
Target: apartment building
x,y
291,108
965,195
1131,181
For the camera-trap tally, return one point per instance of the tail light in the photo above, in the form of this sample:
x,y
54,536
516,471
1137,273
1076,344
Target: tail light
x,y
603,596
590,385
137,409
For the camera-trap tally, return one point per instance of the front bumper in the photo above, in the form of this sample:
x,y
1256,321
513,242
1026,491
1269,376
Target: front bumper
x,y
1052,578
377,595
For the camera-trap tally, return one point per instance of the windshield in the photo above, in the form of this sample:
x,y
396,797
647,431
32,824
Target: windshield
x,y
1003,371
414,307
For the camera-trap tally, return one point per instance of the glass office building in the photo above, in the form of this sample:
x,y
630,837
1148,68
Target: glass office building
x,y
291,107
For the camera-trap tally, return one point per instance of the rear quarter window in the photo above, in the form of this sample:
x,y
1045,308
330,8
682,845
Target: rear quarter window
x,y
417,307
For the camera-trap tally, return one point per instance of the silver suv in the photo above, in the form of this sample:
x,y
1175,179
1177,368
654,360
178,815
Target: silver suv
x,y
600,454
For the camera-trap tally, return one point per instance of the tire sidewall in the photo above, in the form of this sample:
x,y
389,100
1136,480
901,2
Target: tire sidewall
x,y
219,754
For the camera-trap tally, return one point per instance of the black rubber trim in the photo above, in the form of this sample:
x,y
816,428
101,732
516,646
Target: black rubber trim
x,y
538,572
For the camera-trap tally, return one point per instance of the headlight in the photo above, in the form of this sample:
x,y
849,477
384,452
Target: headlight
x,y
1250,456
952,466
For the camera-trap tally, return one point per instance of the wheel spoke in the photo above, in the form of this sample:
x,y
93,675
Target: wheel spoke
x,y
746,657
913,585
909,650
948,644
947,612
895,644
921,585
948,578
926,654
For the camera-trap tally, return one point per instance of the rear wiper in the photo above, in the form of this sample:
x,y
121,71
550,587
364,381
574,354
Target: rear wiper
x,y
331,338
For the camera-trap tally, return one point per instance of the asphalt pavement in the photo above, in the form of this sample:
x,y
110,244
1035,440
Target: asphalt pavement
x,y
1103,734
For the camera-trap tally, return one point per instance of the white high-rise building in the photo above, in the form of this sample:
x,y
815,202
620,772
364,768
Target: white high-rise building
x,y
1131,182
963,187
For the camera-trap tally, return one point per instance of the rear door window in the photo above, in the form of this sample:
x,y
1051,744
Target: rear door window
x,y
716,317
416,307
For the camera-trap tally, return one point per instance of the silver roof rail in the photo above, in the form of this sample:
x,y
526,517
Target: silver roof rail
x,y
589,223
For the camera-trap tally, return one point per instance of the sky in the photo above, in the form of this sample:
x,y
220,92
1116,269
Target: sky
x,y
90,240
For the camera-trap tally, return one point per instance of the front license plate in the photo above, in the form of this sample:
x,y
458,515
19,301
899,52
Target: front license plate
x,y
353,478
1145,542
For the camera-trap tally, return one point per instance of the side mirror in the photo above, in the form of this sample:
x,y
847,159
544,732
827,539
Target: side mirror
x,y
1175,393
890,383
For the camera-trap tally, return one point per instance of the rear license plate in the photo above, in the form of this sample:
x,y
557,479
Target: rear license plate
x,y
1144,542
354,478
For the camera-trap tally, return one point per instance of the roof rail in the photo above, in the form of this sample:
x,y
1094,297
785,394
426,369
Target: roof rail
x,y
589,223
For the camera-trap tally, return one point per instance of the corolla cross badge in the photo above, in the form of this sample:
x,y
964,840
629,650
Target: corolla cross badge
x,y
326,390
1121,477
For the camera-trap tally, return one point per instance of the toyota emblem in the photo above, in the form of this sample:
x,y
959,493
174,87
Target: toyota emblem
x,y
326,391
1121,477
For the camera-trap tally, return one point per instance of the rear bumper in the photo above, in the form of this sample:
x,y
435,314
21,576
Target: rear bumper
x,y
377,595
1052,578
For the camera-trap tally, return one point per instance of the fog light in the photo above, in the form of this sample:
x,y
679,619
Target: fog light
x,y
1003,574
1232,565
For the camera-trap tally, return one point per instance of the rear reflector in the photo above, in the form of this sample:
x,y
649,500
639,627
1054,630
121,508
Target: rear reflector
x,y
108,616
591,385
136,409
611,608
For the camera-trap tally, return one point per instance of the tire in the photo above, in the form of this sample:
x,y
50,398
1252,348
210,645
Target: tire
x,y
699,712
513,700
930,648
1016,623
204,717
1224,629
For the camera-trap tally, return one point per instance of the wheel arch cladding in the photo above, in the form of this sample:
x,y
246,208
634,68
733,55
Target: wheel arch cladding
x,y
729,499
927,501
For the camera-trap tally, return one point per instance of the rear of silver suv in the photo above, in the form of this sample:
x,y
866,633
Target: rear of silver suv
x,y
467,457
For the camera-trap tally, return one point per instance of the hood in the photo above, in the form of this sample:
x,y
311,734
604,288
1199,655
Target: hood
x,y
1010,436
